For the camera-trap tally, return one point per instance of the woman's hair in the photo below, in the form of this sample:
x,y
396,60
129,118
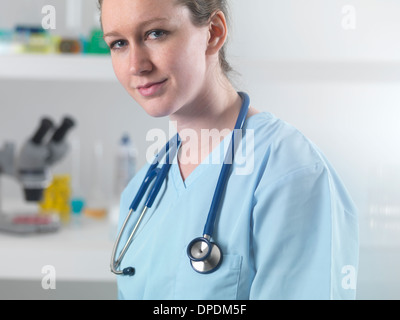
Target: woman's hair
x,y
202,11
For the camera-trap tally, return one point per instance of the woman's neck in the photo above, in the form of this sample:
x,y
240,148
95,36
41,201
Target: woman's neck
x,y
213,108
204,124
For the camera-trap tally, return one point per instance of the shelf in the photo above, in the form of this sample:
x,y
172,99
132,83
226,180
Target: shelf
x,y
324,71
99,68
56,67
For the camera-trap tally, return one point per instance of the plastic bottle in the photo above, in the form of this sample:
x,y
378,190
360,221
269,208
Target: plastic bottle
x,y
96,43
97,202
125,169
77,198
125,164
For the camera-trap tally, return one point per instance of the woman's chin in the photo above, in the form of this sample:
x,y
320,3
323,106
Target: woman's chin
x,y
157,110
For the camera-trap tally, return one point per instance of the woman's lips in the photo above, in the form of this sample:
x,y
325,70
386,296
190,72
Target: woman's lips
x,y
151,89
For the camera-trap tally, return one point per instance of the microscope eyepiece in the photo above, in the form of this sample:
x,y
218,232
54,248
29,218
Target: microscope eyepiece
x,y
60,133
45,126
38,154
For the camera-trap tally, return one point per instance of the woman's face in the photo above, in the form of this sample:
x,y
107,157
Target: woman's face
x,y
158,55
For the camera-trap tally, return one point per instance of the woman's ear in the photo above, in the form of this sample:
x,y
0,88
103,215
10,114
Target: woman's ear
x,y
218,32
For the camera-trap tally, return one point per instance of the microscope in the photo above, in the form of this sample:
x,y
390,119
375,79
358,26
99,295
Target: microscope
x,y
31,168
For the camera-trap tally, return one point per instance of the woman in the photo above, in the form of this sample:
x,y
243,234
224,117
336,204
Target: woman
x,y
286,227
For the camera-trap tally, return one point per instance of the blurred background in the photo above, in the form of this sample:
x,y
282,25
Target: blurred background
x,y
330,68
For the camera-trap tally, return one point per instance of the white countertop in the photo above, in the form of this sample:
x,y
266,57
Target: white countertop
x,y
77,253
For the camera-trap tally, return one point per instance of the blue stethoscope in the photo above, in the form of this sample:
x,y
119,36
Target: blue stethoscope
x,y
205,256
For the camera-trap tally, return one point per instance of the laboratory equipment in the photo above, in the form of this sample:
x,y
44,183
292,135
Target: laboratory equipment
x,y
77,198
32,39
205,256
125,167
97,201
6,37
57,197
32,169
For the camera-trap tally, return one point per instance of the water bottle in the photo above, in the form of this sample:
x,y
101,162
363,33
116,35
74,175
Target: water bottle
x,y
125,169
125,164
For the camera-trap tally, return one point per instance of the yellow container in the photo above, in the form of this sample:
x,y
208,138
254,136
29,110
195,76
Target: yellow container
x,y
56,198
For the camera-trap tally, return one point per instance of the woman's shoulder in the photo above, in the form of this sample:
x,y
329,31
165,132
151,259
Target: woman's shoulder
x,y
281,147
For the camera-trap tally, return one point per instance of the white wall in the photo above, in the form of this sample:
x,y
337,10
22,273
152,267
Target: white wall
x,y
316,30
297,60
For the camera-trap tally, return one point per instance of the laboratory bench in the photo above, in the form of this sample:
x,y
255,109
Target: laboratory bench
x,y
77,256
80,256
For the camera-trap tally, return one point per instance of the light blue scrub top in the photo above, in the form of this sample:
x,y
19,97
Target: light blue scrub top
x,y
287,228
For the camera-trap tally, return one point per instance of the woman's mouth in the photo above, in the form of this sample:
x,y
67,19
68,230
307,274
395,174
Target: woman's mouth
x,y
151,89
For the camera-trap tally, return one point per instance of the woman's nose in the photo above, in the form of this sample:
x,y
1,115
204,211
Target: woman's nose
x,y
139,61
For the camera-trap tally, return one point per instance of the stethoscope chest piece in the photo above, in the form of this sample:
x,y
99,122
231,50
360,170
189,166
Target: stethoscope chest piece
x,y
205,256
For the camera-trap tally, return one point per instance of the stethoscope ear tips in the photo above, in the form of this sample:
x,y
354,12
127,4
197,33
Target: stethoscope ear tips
x,y
128,271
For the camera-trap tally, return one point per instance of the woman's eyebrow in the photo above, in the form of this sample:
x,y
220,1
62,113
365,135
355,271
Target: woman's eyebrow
x,y
140,25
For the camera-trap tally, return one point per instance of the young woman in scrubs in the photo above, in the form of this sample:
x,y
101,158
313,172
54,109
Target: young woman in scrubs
x,y
286,227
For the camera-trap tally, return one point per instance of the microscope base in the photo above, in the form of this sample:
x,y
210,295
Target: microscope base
x,y
28,224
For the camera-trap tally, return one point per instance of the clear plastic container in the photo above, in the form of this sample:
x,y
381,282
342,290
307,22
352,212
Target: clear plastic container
x,y
125,167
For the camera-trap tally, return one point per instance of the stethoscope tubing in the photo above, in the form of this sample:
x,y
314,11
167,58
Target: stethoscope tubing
x,y
116,264
155,172
224,175
152,173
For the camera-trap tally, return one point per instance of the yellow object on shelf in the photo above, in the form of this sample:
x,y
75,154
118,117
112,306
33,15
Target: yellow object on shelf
x,y
56,198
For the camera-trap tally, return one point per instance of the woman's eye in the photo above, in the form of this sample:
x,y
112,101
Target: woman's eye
x,y
155,34
117,44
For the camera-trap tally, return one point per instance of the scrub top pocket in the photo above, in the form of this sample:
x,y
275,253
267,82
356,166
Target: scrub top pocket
x,y
222,284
